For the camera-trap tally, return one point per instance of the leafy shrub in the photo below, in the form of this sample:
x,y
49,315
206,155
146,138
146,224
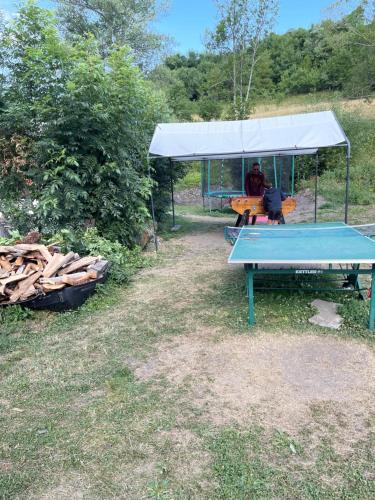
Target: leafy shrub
x,y
11,239
74,132
124,262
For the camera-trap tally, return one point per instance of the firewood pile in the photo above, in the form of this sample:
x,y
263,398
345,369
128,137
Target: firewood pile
x,y
28,270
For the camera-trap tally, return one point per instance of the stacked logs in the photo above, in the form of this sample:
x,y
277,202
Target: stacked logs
x,y
28,270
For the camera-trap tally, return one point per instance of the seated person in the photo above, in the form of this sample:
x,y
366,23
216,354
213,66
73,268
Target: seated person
x,y
272,201
254,184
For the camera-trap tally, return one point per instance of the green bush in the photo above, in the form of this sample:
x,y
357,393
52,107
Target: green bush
x,y
124,262
11,239
74,132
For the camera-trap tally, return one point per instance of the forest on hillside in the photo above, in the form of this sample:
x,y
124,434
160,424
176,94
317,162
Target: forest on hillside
x,y
334,55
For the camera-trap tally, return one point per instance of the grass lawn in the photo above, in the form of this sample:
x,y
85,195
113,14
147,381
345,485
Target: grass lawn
x,y
159,390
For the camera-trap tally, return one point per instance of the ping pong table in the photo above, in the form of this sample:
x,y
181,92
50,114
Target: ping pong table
x,y
331,248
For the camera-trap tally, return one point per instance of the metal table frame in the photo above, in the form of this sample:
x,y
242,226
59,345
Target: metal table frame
x,y
353,276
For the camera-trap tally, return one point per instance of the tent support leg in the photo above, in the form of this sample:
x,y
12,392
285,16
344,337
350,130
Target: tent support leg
x,y
153,211
172,194
347,184
316,188
293,166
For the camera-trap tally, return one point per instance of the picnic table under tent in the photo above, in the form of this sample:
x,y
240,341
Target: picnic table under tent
x,y
267,140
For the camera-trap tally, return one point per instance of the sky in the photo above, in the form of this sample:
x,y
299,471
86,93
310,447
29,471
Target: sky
x,y
187,20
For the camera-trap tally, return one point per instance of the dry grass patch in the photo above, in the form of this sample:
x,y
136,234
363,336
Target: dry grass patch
x,y
271,380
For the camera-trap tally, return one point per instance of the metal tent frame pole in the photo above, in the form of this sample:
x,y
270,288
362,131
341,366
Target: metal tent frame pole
x,y
347,182
152,208
316,188
293,179
172,194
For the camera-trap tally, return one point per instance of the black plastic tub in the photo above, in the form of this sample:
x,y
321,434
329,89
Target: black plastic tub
x,y
70,297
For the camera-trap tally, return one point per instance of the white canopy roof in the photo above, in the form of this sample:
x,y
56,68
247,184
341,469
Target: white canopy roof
x,y
280,135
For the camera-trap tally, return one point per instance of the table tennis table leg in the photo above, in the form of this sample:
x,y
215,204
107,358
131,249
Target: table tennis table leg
x,y
371,323
250,293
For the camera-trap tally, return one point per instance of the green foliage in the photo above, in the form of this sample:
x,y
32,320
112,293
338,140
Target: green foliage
x,y
74,132
123,22
14,314
124,263
192,179
333,55
332,166
13,237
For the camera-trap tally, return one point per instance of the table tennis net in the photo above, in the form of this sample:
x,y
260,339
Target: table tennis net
x,y
293,231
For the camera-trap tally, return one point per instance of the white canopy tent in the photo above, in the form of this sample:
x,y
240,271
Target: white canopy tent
x,y
281,135
301,134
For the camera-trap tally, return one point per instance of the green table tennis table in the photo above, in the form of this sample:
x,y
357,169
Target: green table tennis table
x,y
332,248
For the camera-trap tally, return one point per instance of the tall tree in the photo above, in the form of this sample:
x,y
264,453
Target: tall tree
x,y
74,131
117,22
243,24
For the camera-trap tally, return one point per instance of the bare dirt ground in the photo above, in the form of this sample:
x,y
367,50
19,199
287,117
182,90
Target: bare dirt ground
x,y
274,380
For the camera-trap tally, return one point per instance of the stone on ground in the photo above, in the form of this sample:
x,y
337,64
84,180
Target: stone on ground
x,y
327,314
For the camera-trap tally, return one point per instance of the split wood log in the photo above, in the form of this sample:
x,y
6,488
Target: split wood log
x,y
35,248
100,266
19,261
60,279
29,293
57,262
48,287
35,256
11,279
24,286
68,280
8,249
32,267
79,264
5,264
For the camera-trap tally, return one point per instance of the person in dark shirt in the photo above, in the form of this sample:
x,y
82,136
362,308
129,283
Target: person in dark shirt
x,y
254,184
254,181
272,201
